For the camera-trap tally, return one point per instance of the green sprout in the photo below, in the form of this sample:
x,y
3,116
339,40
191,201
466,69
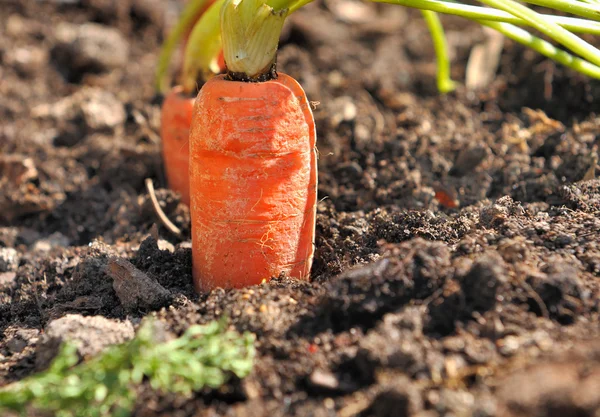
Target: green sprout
x,y
204,356
505,16
508,17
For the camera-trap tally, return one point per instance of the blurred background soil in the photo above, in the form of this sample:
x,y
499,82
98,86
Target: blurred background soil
x,y
457,270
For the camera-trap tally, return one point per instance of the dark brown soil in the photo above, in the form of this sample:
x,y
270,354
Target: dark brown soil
x,y
416,308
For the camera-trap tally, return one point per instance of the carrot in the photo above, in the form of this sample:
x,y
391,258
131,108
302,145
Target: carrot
x,y
253,170
176,112
253,182
176,116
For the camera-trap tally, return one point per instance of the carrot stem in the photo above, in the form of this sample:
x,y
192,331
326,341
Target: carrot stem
x,y
550,29
490,14
590,11
545,48
185,22
203,48
445,84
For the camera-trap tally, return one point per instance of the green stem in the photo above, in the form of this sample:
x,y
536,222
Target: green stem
x,y
444,81
185,22
579,8
545,48
203,46
486,13
552,30
298,4
279,5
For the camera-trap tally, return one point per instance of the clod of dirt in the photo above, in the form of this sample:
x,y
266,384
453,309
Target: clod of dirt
x,y
393,345
8,236
90,334
497,213
560,290
148,12
469,159
16,169
107,11
89,48
135,289
27,61
415,269
483,282
584,195
87,111
555,389
342,110
9,260
101,110
19,339
398,397
453,402
445,310
19,195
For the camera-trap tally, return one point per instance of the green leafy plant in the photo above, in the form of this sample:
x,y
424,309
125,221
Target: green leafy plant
x,y
506,17
204,356
511,18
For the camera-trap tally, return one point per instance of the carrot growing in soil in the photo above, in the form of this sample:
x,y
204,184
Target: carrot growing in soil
x,y
176,112
176,116
253,170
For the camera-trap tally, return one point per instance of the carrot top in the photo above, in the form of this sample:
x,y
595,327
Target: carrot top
x,y
250,32
184,24
203,48
509,17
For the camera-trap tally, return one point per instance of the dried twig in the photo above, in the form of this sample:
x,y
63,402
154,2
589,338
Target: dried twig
x,y
538,300
159,212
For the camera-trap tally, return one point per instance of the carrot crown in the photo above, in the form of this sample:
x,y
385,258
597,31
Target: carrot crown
x,y
250,31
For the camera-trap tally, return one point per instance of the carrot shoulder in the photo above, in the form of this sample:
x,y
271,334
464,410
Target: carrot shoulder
x,y
253,182
176,116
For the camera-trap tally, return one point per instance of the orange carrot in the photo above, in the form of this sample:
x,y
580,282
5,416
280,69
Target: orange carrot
x,y
176,117
253,182
176,112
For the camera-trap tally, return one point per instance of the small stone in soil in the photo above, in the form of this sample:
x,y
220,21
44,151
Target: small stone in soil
x,y
27,61
9,260
89,48
90,334
7,278
53,241
323,380
135,289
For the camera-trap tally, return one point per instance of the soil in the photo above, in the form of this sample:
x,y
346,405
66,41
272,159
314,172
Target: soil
x,y
457,268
